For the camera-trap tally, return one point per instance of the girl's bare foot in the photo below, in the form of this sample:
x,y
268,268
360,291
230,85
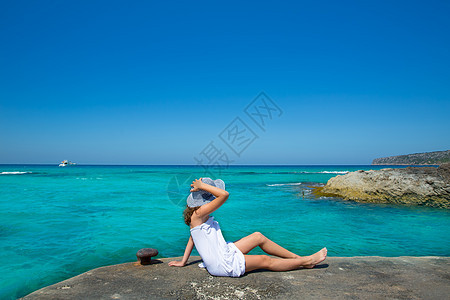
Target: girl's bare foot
x,y
317,258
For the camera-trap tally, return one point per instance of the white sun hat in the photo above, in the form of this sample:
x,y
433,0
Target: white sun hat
x,y
202,197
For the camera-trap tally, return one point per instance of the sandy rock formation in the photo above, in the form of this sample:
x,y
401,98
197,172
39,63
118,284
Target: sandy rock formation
x,y
412,185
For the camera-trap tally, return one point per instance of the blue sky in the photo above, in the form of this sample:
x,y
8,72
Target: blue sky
x,y
112,82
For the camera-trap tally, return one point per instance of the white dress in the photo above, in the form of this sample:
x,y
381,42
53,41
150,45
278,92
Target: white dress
x,y
219,257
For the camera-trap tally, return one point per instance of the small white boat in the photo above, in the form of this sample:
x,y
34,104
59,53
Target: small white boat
x,y
66,163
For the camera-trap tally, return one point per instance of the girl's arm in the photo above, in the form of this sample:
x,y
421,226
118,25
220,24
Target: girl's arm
x,y
206,209
187,253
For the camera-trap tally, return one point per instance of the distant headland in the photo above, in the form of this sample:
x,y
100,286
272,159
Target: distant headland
x,y
427,158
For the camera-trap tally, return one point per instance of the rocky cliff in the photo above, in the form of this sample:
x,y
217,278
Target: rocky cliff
x,y
427,158
412,185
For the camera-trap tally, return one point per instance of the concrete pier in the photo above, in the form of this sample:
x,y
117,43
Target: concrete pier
x,y
335,278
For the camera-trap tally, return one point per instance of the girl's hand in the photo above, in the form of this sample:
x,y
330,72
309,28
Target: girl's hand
x,y
196,185
176,263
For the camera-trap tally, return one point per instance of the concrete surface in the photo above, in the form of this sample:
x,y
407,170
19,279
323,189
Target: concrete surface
x,y
335,278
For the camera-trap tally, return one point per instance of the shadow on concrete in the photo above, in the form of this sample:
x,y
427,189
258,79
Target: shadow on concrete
x,y
322,266
152,262
194,262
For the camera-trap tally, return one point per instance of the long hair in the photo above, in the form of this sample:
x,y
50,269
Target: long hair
x,y
187,214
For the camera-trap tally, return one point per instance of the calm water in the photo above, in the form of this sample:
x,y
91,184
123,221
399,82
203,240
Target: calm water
x,y
59,222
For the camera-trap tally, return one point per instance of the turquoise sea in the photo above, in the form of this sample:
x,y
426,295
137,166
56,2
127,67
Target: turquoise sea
x,y
59,222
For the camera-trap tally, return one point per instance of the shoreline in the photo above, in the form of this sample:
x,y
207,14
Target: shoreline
x,y
411,165
337,277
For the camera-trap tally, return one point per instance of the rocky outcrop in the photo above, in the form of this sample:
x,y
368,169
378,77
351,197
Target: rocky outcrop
x,y
412,185
427,158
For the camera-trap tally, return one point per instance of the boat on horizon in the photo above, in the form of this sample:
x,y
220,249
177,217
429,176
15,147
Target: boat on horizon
x,y
66,163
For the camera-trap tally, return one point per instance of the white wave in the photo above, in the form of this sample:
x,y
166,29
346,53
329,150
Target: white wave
x,y
14,173
282,184
322,172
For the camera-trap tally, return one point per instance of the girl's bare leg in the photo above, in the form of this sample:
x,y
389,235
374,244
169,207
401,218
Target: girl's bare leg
x,y
254,262
258,239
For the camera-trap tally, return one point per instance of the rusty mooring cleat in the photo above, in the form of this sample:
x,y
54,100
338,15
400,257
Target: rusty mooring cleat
x,y
145,255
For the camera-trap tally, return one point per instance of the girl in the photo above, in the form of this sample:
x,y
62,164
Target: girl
x,y
230,259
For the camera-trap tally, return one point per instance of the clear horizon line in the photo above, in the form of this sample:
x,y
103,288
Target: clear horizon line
x,y
196,165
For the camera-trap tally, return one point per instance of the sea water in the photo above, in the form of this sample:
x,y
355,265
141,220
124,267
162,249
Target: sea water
x,y
58,222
